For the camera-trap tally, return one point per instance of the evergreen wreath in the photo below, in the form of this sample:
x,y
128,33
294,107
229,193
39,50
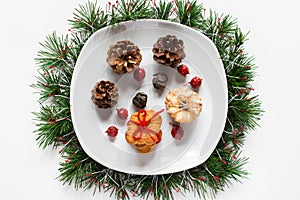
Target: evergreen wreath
x,y
56,62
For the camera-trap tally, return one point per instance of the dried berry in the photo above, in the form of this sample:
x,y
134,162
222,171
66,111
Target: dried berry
x,y
140,100
183,69
139,74
122,113
112,131
160,80
177,131
196,82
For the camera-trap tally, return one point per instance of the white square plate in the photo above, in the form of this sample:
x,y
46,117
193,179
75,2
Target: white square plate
x,y
90,123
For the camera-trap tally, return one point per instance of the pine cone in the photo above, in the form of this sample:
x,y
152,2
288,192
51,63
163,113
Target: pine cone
x,y
124,56
105,94
168,51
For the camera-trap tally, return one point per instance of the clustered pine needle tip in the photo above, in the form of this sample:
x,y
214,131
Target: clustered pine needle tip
x,y
56,62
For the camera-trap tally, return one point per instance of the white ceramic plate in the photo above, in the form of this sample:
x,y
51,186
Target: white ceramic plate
x,y
170,155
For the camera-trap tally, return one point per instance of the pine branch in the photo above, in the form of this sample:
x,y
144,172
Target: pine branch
x,y
163,10
54,53
130,10
88,18
189,13
77,42
50,84
75,167
52,124
246,112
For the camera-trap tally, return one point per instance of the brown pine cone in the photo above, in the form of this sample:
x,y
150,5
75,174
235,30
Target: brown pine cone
x,y
124,56
105,94
168,51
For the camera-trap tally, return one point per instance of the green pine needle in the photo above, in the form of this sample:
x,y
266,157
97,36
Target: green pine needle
x,y
163,10
54,53
52,124
130,10
189,13
88,18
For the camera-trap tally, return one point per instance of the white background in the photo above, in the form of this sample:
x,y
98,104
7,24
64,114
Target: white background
x,y
28,172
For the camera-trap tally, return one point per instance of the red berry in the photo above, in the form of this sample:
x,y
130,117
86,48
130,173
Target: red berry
x,y
122,113
112,131
196,82
177,132
139,74
183,69
216,178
